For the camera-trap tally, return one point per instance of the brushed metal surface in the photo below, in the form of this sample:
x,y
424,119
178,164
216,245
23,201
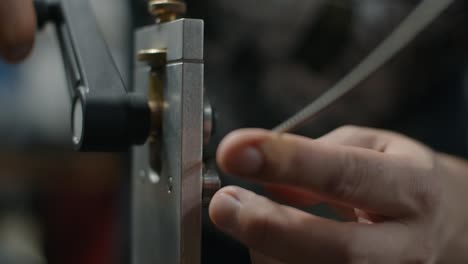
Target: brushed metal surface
x,y
166,213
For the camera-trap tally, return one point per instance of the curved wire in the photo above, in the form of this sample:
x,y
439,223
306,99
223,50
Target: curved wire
x,y
421,17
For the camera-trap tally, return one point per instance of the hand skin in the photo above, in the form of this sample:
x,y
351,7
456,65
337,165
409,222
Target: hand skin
x,y
17,29
408,202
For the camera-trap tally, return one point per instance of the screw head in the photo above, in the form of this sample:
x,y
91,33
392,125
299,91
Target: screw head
x,y
167,10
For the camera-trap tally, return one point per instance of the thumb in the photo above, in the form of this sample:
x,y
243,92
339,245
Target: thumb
x,y
17,29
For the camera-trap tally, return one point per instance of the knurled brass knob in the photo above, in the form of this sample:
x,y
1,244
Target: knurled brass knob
x,y
167,10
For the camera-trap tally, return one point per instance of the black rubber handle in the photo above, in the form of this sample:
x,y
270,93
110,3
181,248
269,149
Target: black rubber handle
x,y
105,117
46,12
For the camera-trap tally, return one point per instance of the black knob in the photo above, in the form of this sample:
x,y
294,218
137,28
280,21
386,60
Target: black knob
x,y
46,11
105,115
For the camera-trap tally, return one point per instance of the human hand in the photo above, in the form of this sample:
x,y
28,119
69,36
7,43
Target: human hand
x,y
17,29
407,200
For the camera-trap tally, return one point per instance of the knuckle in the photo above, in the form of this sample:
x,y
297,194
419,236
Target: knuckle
x,y
425,190
426,197
349,128
341,184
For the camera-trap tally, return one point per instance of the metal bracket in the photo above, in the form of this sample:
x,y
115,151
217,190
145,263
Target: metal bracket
x,y
167,205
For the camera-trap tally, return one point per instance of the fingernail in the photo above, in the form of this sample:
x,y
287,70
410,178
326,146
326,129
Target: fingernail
x,y
247,161
227,208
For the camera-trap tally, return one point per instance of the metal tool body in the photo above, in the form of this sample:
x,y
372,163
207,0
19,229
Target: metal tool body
x,y
166,109
167,200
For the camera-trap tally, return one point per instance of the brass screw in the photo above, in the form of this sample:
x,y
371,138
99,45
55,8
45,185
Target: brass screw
x,y
154,57
167,10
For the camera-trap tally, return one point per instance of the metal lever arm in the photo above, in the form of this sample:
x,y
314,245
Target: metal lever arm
x,y
105,117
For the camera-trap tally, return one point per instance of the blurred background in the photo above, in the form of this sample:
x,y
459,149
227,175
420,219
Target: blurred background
x,y
265,60
57,206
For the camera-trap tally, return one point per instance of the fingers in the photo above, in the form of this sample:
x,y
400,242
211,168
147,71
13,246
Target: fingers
x,y
286,234
355,176
17,29
299,198
378,140
368,138
293,196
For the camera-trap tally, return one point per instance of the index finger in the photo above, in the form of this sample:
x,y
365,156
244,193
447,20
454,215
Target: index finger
x,y
17,29
357,177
